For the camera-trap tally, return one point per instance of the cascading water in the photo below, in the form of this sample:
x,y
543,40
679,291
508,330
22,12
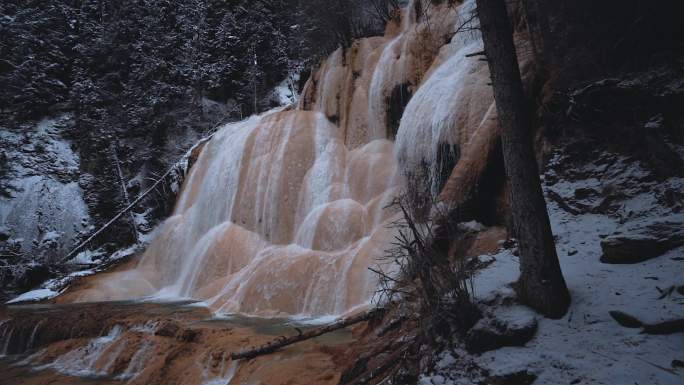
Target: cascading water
x,y
447,108
277,217
391,71
94,359
282,214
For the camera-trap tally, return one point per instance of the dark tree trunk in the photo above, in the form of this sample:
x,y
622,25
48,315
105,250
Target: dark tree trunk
x,y
541,283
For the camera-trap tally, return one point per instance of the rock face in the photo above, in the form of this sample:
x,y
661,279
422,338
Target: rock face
x,y
511,326
649,242
167,329
43,208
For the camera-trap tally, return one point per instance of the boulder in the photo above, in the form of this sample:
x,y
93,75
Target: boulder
x,y
516,378
189,335
509,326
642,244
167,329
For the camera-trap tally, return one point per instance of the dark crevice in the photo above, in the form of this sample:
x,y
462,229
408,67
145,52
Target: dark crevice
x,y
397,102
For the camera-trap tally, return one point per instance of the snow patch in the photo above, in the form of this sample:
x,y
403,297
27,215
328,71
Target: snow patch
x,y
34,295
286,92
87,257
474,226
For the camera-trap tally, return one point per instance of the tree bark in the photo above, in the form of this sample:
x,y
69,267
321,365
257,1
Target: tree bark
x,y
541,284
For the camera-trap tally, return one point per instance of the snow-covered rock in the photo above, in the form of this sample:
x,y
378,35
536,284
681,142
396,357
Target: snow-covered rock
x,y
642,243
44,205
508,326
34,295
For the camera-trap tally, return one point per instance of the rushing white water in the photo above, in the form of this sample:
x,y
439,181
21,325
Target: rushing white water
x,y
7,331
282,214
93,360
137,363
391,71
32,339
226,372
448,106
277,217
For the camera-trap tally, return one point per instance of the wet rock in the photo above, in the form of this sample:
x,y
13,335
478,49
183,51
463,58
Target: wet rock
x,y
189,335
195,153
509,244
510,326
167,329
649,242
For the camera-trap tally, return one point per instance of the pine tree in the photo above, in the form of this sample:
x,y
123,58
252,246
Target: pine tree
x,y
541,284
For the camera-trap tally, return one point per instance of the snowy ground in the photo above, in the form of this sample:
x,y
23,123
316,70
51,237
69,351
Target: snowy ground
x,y
43,213
587,346
42,201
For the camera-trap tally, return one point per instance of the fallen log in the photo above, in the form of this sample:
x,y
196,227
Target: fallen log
x,y
283,341
666,327
660,328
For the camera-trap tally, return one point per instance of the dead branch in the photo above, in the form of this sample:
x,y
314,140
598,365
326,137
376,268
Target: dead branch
x,y
124,191
666,327
119,215
479,53
388,363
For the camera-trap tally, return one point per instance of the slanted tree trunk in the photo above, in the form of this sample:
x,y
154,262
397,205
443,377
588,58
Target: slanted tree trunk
x,y
283,341
541,284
